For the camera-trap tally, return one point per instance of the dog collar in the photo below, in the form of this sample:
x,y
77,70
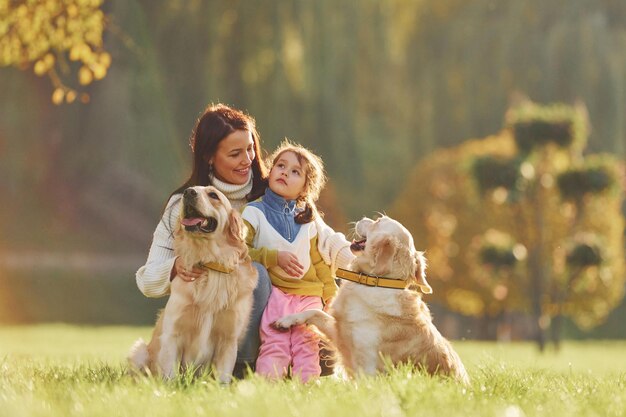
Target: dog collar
x,y
371,280
214,266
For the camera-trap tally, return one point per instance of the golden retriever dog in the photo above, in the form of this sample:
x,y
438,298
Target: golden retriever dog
x,y
378,315
203,320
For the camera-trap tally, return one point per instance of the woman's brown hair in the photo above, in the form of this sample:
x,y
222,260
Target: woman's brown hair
x,y
216,123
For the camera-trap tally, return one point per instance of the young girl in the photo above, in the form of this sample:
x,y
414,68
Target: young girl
x,y
283,237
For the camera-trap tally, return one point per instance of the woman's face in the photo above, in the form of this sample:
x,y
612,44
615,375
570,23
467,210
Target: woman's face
x,y
233,158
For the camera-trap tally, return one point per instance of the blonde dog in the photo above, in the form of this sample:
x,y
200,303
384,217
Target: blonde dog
x,y
203,320
378,314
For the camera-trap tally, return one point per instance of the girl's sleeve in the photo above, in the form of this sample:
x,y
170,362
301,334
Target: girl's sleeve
x,y
333,246
266,257
323,272
153,279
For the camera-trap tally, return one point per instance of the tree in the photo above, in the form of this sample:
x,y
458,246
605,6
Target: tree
x,y
55,38
566,209
523,221
454,225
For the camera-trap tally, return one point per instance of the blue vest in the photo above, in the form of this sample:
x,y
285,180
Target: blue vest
x,y
280,213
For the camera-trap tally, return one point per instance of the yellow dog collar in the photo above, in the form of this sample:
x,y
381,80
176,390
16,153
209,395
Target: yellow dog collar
x,y
371,280
214,266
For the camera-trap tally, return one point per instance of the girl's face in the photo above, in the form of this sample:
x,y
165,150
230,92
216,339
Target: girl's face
x,y
287,177
233,158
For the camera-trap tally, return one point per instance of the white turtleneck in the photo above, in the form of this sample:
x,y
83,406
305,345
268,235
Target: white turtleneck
x,y
236,193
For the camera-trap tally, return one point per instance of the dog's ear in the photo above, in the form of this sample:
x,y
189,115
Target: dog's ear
x,y
384,251
420,273
236,228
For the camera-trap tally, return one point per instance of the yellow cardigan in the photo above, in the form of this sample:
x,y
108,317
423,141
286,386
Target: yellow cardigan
x,y
316,281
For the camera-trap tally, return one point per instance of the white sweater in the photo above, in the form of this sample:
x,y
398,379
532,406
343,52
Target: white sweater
x,y
333,246
153,279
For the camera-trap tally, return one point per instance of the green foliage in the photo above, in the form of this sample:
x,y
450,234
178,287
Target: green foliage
x,y
450,221
369,89
491,187
575,183
497,256
536,126
529,135
584,255
60,370
42,35
595,176
491,173
99,295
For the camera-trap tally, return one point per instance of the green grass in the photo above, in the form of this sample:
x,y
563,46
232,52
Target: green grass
x,y
58,370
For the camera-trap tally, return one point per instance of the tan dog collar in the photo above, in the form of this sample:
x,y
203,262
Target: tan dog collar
x,y
214,266
371,280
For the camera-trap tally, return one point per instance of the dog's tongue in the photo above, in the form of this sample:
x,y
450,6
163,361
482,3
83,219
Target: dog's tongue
x,y
193,221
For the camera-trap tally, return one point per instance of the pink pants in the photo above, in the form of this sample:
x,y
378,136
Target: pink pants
x,y
298,347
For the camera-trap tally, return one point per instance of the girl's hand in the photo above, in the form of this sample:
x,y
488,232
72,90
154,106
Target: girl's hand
x,y
289,263
185,274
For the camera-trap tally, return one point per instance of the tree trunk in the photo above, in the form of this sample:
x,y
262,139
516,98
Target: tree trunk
x,y
537,279
486,324
536,272
556,327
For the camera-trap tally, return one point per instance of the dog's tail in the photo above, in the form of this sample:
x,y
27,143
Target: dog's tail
x,y
139,358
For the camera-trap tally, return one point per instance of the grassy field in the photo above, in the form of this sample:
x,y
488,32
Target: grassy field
x,y
58,370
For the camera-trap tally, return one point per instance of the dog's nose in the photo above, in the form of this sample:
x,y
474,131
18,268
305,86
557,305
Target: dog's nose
x,y
190,193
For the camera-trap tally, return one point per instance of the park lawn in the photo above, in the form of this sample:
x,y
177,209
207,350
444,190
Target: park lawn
x,y
61,370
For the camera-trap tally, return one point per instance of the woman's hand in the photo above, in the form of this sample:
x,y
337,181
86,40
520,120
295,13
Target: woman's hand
x,y
185,274
289,263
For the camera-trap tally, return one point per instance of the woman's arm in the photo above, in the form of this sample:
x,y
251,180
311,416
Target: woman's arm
x,y
333,246
153,279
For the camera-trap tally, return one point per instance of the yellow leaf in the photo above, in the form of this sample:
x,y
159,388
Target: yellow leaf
x,y
40,68
22,11
99,71
465,301
85,76
76,52
72,10
105,59
48,60
57,96
51,6
70,96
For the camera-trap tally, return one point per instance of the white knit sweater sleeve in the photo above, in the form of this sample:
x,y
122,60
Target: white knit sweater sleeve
x,y
333,246
153,279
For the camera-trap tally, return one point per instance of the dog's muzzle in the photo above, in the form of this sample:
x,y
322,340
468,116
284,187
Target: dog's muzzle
x,y
358,245
200,224
361,228
194,221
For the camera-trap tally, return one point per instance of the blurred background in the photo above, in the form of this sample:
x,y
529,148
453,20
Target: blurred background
x,y
494,129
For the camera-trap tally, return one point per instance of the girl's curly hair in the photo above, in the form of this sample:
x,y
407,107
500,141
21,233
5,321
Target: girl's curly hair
x,y
315,178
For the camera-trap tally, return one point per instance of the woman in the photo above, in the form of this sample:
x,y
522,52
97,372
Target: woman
x,y
226,155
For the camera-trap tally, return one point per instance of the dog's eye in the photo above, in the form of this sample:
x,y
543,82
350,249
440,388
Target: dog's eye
x,y
213,195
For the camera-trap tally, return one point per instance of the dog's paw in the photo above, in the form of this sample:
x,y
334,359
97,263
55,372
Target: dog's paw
x,y
225,380
282,325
